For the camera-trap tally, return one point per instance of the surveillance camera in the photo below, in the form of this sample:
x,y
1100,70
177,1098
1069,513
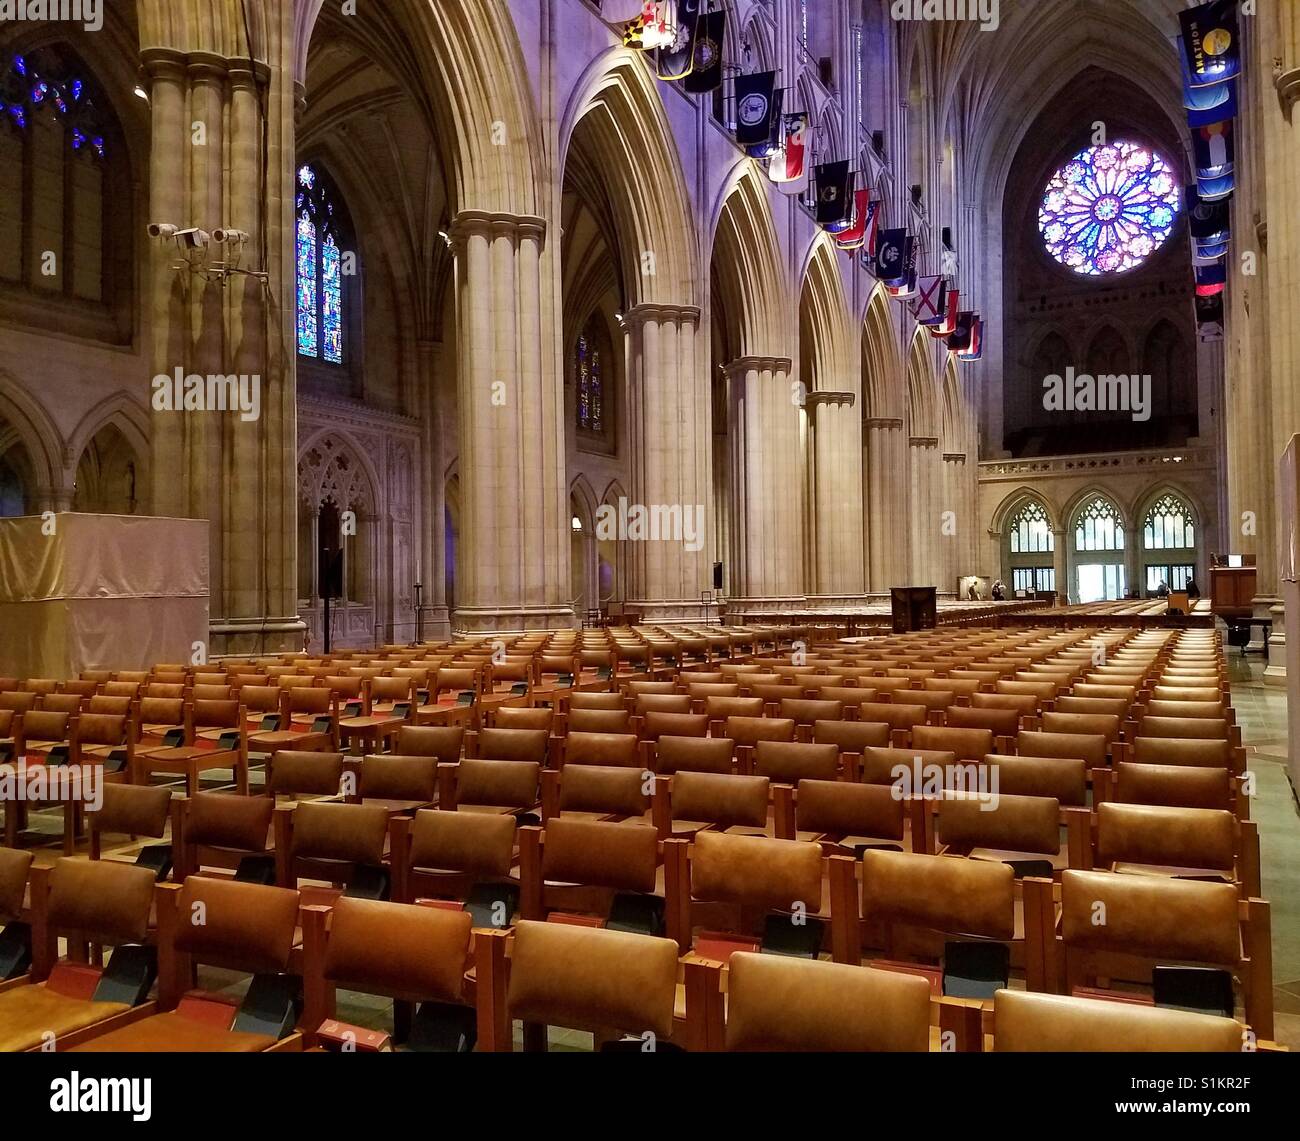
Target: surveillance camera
x,y
161,230
221,237
192,239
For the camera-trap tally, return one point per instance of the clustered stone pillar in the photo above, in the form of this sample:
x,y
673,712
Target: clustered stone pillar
x,y
208,113
670,446
955,540
766,482
888,494
837,483
926,514
1060,563
514,557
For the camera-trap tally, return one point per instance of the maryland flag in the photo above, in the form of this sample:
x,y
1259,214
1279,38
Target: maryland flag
x,y
654,28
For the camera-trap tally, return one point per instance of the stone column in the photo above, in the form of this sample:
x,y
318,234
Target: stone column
x,y
924,464
838,524
767,491
514,527
888,493
432,542
670,436
1061,564
954,546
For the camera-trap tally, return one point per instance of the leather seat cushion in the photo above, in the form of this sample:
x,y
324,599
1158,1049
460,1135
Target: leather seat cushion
x,y
29,1012
171,1033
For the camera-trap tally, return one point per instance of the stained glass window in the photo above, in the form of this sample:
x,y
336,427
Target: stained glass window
x,y
1168,525
29,87
1109,209
320,271
1098,527
590,383
1030,532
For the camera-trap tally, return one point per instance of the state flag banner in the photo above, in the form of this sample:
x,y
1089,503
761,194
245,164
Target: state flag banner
x,y
976,349
1217,188
952,310
1210,251
766,150
677,60
1209,318
790,163
1208,220
706,64
905,287
1210,279
834,195
1211,42
960,341
1215,148
654,28
855,236
875,212
890,265
755,95
931,299
1207,104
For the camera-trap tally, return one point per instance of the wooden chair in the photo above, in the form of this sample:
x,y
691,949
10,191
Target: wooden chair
x,y
250,929
223,832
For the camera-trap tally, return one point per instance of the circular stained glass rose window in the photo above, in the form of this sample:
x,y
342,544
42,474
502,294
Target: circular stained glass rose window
x,y
1109,209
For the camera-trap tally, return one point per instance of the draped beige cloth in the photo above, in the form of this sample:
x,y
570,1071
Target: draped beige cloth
x,y
102,592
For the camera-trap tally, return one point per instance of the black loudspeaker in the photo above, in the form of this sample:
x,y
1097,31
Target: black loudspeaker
x,y
717,576
331,574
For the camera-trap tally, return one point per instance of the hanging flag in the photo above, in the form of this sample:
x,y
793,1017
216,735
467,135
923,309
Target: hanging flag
x,y
790,163
1209,318
1211,42
834,195
765,150
1210,279
890,265
1206,104
960,341
706,66
754,96
905,287
1208,220
951,311
677,59
875,211
1216,187
854,238
1209,251
931,299
1215,148
654,28
976,350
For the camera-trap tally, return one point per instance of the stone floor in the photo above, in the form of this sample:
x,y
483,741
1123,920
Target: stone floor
x,y
1261,711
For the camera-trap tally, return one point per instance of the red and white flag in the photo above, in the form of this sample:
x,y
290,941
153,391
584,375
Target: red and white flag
x,y
854,238
931,300
789,167
948,325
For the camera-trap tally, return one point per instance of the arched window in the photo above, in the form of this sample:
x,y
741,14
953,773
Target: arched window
x,y
1030,532
65,194
1108,209
1169,529
1031,545
1168,524
1098,527
320,270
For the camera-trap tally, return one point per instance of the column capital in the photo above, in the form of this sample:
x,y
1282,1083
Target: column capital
x,y
924,441
164,63
639,315
831,399
207,67
742,365
481,223
244,73
954,457
883,422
